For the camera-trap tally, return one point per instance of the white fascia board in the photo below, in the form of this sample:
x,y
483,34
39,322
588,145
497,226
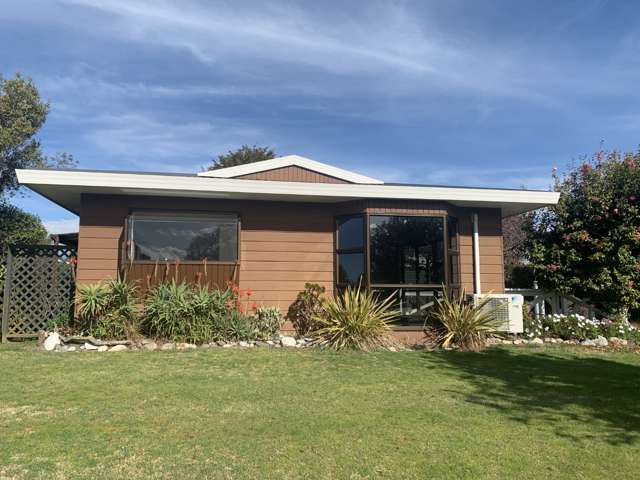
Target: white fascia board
x,y
185,186
288,161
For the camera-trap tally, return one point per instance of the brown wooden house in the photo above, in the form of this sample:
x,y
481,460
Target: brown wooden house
x,y
274,225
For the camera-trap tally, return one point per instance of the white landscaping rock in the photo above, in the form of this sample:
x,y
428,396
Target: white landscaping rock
x,y
150,346
51,342
103,348
288,341
90,346
71,349
588,343
167,346
536,341
118,348
600,341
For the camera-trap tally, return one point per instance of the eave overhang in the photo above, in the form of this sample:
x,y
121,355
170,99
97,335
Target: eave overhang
x,y
65,188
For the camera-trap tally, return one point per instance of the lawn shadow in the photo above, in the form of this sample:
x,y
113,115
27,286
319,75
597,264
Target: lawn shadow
x,y
557,388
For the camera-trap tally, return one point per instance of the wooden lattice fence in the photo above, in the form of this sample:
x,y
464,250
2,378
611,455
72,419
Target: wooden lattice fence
x,y
39,286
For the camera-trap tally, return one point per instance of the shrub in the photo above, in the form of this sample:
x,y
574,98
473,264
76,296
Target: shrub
x,y
356,319
179,312
237,325
108,310
267,321
578,327
464,324
307,306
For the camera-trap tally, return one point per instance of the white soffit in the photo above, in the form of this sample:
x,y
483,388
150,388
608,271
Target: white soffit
x,y
65,187
289,161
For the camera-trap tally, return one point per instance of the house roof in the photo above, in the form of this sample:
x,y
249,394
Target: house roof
x,y
65,188
290,161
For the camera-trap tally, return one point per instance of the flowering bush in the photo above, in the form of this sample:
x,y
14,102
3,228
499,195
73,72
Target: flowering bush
x,y
588,245
578,327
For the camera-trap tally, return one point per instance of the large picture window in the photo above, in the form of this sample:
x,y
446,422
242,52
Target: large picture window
x,y
406,250
185,237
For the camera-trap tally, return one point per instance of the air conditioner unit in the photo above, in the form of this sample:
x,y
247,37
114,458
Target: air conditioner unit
x,y
506,308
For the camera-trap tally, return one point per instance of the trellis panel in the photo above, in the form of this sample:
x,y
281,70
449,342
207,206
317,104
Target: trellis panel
x,y
39,287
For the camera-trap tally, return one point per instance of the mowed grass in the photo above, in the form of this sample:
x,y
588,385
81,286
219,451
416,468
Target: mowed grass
x,y
506,413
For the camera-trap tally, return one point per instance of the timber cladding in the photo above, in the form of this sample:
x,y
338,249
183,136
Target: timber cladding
x,y
283,245
292,173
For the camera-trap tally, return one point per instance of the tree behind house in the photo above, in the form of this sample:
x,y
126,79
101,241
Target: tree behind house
x,y
242,155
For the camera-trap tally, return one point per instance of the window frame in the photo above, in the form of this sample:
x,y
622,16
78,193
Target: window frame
x,y
126,244
363,250
408,286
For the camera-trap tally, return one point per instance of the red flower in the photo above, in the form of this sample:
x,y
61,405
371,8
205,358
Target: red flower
x,y
249,292
553,267
241,308
254,306
240,293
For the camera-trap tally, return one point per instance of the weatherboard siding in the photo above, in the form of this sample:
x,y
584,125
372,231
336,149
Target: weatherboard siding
x,y
283,245
292,174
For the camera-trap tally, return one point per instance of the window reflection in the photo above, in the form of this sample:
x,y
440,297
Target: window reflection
x,y
184,237
406,250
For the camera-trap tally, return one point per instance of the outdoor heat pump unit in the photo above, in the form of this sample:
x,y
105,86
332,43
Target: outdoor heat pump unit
x,y
506,308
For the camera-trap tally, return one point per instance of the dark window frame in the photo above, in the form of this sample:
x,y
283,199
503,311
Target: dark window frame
x,y
449,253
408,286
363,250
126,246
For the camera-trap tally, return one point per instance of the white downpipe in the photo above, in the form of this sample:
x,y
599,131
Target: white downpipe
x,y
476,255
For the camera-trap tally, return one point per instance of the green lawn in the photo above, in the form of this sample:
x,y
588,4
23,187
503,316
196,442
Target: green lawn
x,y
507,413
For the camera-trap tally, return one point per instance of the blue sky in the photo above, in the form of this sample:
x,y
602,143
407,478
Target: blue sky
x,y
485,93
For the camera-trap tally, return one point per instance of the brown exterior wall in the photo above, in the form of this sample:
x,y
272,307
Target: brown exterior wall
x,y
282,245
292,174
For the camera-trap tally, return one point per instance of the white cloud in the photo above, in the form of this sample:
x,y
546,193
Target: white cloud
x,y
69,225
385,45
153,143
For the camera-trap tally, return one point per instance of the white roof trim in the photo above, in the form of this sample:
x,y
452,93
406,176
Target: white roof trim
x,y
288,161
65,187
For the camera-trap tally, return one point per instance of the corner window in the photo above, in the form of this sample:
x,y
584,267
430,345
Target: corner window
x,y
186,237
350,250
453,252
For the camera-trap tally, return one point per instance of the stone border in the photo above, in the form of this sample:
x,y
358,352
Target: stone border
x,y
54,342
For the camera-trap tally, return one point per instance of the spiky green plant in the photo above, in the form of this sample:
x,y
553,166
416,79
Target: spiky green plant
x,y
108,310
462,323
167,309
356,319
91,301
